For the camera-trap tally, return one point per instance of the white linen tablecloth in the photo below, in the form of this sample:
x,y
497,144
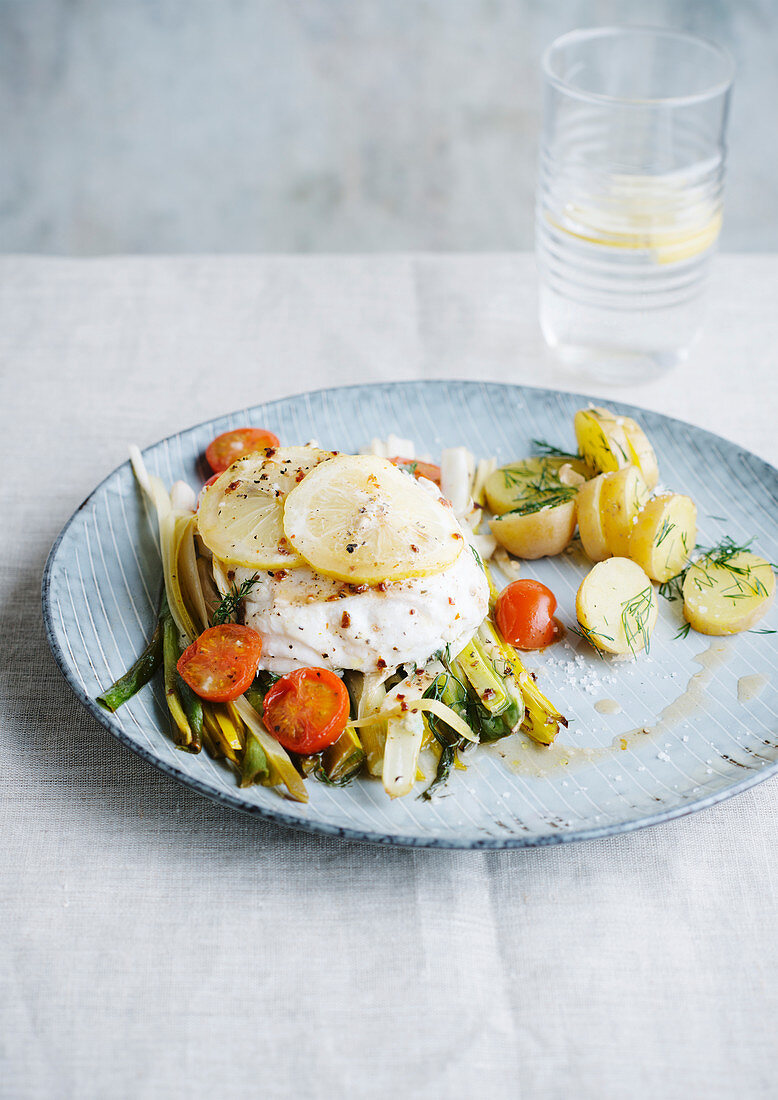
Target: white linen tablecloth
x,y
155,945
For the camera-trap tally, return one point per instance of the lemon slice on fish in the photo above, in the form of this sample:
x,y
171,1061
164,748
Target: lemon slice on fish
x,y
358,518
241,515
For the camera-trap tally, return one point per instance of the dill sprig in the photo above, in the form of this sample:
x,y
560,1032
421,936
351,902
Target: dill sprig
x,y
545,448
635,614
720,554
550,499
227,610
590,636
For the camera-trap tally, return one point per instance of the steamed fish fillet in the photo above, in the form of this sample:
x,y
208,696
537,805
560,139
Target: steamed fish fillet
x,y
309,620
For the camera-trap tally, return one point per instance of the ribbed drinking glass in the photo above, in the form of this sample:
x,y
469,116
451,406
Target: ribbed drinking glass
x,y
629,202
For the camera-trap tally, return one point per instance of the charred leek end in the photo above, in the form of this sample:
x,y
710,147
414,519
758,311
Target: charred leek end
x,y
483,677
541,719
136,677
341,762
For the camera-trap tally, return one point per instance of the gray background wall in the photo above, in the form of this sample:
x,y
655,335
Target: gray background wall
x,y
318,125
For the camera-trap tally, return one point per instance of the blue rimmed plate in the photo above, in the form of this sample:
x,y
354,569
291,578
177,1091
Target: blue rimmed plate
x,y
680,729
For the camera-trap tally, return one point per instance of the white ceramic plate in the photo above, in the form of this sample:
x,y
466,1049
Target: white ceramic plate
x,y
710,704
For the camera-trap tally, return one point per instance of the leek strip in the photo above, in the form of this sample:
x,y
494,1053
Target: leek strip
x,y
484,469
209,743
433,706
254,767
230,731
368,693
401,753
341,761
215,731
192,589
405,733
494,591
171,651
136,677
488,639
276,755
166,519
208,587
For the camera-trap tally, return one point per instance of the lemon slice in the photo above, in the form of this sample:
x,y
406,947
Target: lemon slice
x,y
357,518
241,516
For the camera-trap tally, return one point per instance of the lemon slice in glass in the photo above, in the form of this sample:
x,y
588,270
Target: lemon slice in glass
x,y
359,519
241,515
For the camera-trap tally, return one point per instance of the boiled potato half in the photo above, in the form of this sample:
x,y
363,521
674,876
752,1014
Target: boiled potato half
x,y
622,496
602,441
539,533
724,593
664,535
616,607
609,442
590,526
531,478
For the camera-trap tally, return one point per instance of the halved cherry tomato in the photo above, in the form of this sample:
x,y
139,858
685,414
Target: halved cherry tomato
x,y
419,469
524,614
307,709
222,662
230,446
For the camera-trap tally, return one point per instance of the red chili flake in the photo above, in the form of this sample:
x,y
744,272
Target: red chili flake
x,y
414,547
280,574
233,485
299,476
451,600
345,620
382,587
381,663
455,535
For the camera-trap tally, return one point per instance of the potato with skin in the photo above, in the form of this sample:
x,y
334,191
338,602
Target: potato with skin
x,y
590,526
602,441
727,593
642,452
609,442
664,536
527,480
538,534
616,606
622,496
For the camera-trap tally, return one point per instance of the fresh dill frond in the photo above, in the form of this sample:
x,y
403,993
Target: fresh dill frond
x,y
545,448
665,530
683,631
672,590
634,619
551,499
589,636
763,632
228,608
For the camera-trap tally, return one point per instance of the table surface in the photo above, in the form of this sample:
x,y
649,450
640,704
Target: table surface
x,y
155,944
